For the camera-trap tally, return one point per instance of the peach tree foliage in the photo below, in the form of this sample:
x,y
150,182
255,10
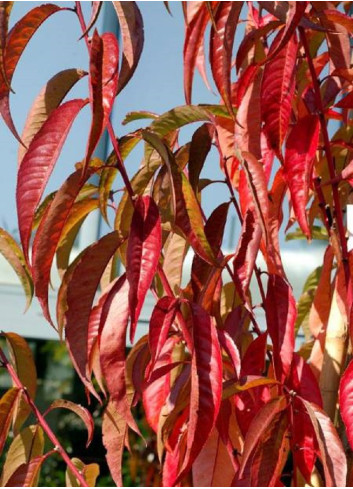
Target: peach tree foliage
x,y
230,404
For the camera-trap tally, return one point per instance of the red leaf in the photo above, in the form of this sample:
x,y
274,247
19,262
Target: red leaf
x,y
48,237
84,281
155,394
26,474
112,345
214,231
17,40
303,441
230,347
246,253
131,25
277,91
247,132
213,467
253,362
194,35
303,381
221,47
49,98
200,146
257,183
206,385
281,314
331,450
114,430
38,164
346,401
301,147
162,318
271,455
143,252
104,62
259,425
294,16
82,412
5,11
95,10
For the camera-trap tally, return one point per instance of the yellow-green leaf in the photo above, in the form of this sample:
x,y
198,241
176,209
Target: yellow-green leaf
x,y
90,473
13,254
22,359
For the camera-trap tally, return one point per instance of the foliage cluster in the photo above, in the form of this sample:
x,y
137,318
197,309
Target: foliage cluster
x,y
230,403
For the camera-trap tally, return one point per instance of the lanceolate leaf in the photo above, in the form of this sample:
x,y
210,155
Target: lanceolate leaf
x,y
14,255
245,257
162,318
213,467
7,406
277,91
114,430
17,40
112,344
259,425
27,474
22,359
330,446
131,25
206,385
83,282
5,11
214,230
221,47
346,401
90,472
103,76
48,236
199,149
247,132
194,37
293,17
257,184
301,147
144,247
38,164
82,412
49,98
280,316
79,212
25,447
95,11
186,114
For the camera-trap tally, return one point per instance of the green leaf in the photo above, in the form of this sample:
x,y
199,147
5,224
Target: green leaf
x,y
317,233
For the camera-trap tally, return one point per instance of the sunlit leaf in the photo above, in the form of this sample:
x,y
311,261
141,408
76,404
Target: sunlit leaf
x,y
131,25
144,247
14,255
82,412
38,163
49,98
23,361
